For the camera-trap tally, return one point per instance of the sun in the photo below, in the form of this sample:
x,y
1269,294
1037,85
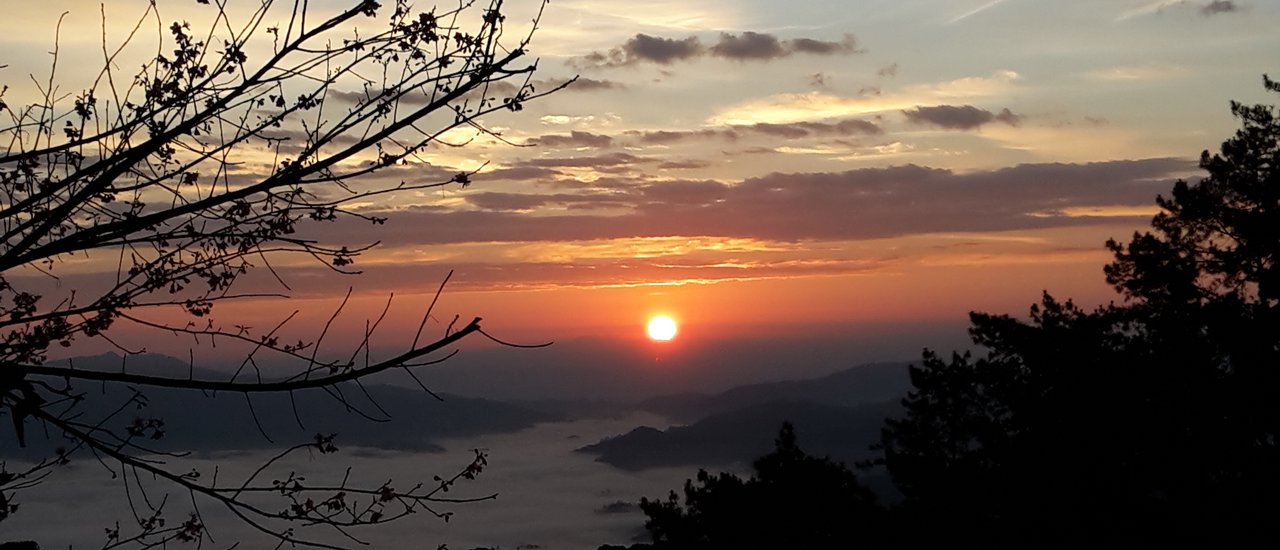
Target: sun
x,y
662,328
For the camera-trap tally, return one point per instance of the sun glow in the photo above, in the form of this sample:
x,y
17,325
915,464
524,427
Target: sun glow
x,y
662,328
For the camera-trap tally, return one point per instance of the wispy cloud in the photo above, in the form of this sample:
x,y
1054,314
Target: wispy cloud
x,y
1137,73
975,11
821,105
1149,9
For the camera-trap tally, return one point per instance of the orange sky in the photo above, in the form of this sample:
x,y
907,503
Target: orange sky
x,y
760,172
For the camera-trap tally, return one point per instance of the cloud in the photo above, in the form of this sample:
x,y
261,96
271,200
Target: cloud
x,y
823,47
580,84
496,89
853,205
684,164
664,137
759,46
520,173
747,46
975,11
1218,6
520,202
966,117
643,48
574,139
628,231
792,130
1207,9
601,161
820,105
846,127
593,84
1138,73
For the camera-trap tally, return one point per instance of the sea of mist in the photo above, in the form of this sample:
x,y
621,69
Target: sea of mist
x,y
548,496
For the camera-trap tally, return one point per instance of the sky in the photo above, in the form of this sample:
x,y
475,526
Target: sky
x,y
854,176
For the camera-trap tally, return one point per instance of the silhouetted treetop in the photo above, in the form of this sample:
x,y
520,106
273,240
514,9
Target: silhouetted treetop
x,y
1216,237
793,500
1143,424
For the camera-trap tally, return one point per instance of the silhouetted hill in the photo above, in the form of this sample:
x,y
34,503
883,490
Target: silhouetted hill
x,y
842,433
149,364
413,419
871,383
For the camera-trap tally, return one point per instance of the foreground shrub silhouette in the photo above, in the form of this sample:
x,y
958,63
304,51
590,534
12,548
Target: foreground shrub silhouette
x,y
793,500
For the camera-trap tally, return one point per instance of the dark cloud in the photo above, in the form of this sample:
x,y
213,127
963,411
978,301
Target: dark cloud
x,y
1207,9
575,139
805,129
1219,6
506,202
747,46
1006,116
684,164
665,51
519,173
641,48
858,204
789,131
664,137
966,117
597,162
888,71
514,202
794,130
821,47
682,193
591,85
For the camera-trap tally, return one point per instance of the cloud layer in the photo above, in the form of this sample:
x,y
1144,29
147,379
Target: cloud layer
x,y
852,205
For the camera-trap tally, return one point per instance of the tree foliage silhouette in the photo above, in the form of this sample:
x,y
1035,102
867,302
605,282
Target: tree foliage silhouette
x,y
793,500
213,159
1146,423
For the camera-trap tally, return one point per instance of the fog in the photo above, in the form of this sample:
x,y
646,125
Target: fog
x,y
548,496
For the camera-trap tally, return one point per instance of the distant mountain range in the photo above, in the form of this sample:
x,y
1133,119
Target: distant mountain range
x,y
839,415
842,433
869,383
195,421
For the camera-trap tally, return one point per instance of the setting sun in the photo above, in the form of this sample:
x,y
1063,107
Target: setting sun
x,y
662,328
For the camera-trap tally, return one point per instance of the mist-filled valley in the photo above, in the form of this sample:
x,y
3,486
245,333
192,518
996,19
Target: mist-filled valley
x,y
567,473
